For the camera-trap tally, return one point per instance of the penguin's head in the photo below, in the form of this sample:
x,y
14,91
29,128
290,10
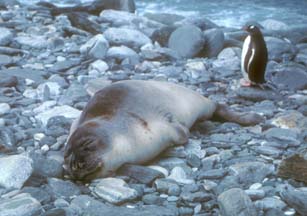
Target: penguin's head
x,y
252,30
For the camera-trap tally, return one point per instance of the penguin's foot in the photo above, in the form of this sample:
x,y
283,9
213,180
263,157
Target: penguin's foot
x,y
245,83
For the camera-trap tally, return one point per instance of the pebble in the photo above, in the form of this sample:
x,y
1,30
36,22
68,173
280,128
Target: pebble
x,y
178,174
114,190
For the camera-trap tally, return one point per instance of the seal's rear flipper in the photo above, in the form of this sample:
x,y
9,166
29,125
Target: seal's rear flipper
x,y
224,113
95,85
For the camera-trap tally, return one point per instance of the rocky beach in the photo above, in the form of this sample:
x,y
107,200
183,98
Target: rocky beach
x,y
50,58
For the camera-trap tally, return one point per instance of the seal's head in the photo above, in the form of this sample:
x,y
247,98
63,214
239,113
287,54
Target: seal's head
x,y
83,156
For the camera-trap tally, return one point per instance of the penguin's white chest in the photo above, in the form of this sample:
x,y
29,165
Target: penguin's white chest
x,y
247,56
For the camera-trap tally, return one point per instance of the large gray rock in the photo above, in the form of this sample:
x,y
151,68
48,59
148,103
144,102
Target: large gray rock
x,y
275,25
278,49
289,76
5,37
187,41
251,172
214,42
20,205
96,47
296,198
15,171
235,202
128,37
114,190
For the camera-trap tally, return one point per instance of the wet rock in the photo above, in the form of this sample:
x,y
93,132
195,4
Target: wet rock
x,y
6,36
66,111
236,202
140,173
274,25
278,49
15,171
270,203
122,52
214,42
251,172
114,190
20,205
296,198
187,41
228,61
96,47
62,188
128,37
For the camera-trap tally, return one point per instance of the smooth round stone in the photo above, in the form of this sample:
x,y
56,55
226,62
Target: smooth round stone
x,y
4,108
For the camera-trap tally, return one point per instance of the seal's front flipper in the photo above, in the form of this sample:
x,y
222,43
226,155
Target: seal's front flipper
x,y
95,85
181,133
224,112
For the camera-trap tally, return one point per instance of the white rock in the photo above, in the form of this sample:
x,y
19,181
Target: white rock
x,y
128,37
39,136
96,47
121,53
100,66
4,108
66,111
5,36
114,190
179,175
45,148
15,171
44,106
30,93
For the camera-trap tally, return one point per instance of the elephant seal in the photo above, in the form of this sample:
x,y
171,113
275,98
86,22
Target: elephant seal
x,y
134,121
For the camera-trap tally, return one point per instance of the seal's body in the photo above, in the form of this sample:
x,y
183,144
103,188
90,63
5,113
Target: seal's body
x,y
132,122
254,56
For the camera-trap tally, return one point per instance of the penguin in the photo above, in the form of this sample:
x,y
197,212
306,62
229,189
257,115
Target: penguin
x,y
254,58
